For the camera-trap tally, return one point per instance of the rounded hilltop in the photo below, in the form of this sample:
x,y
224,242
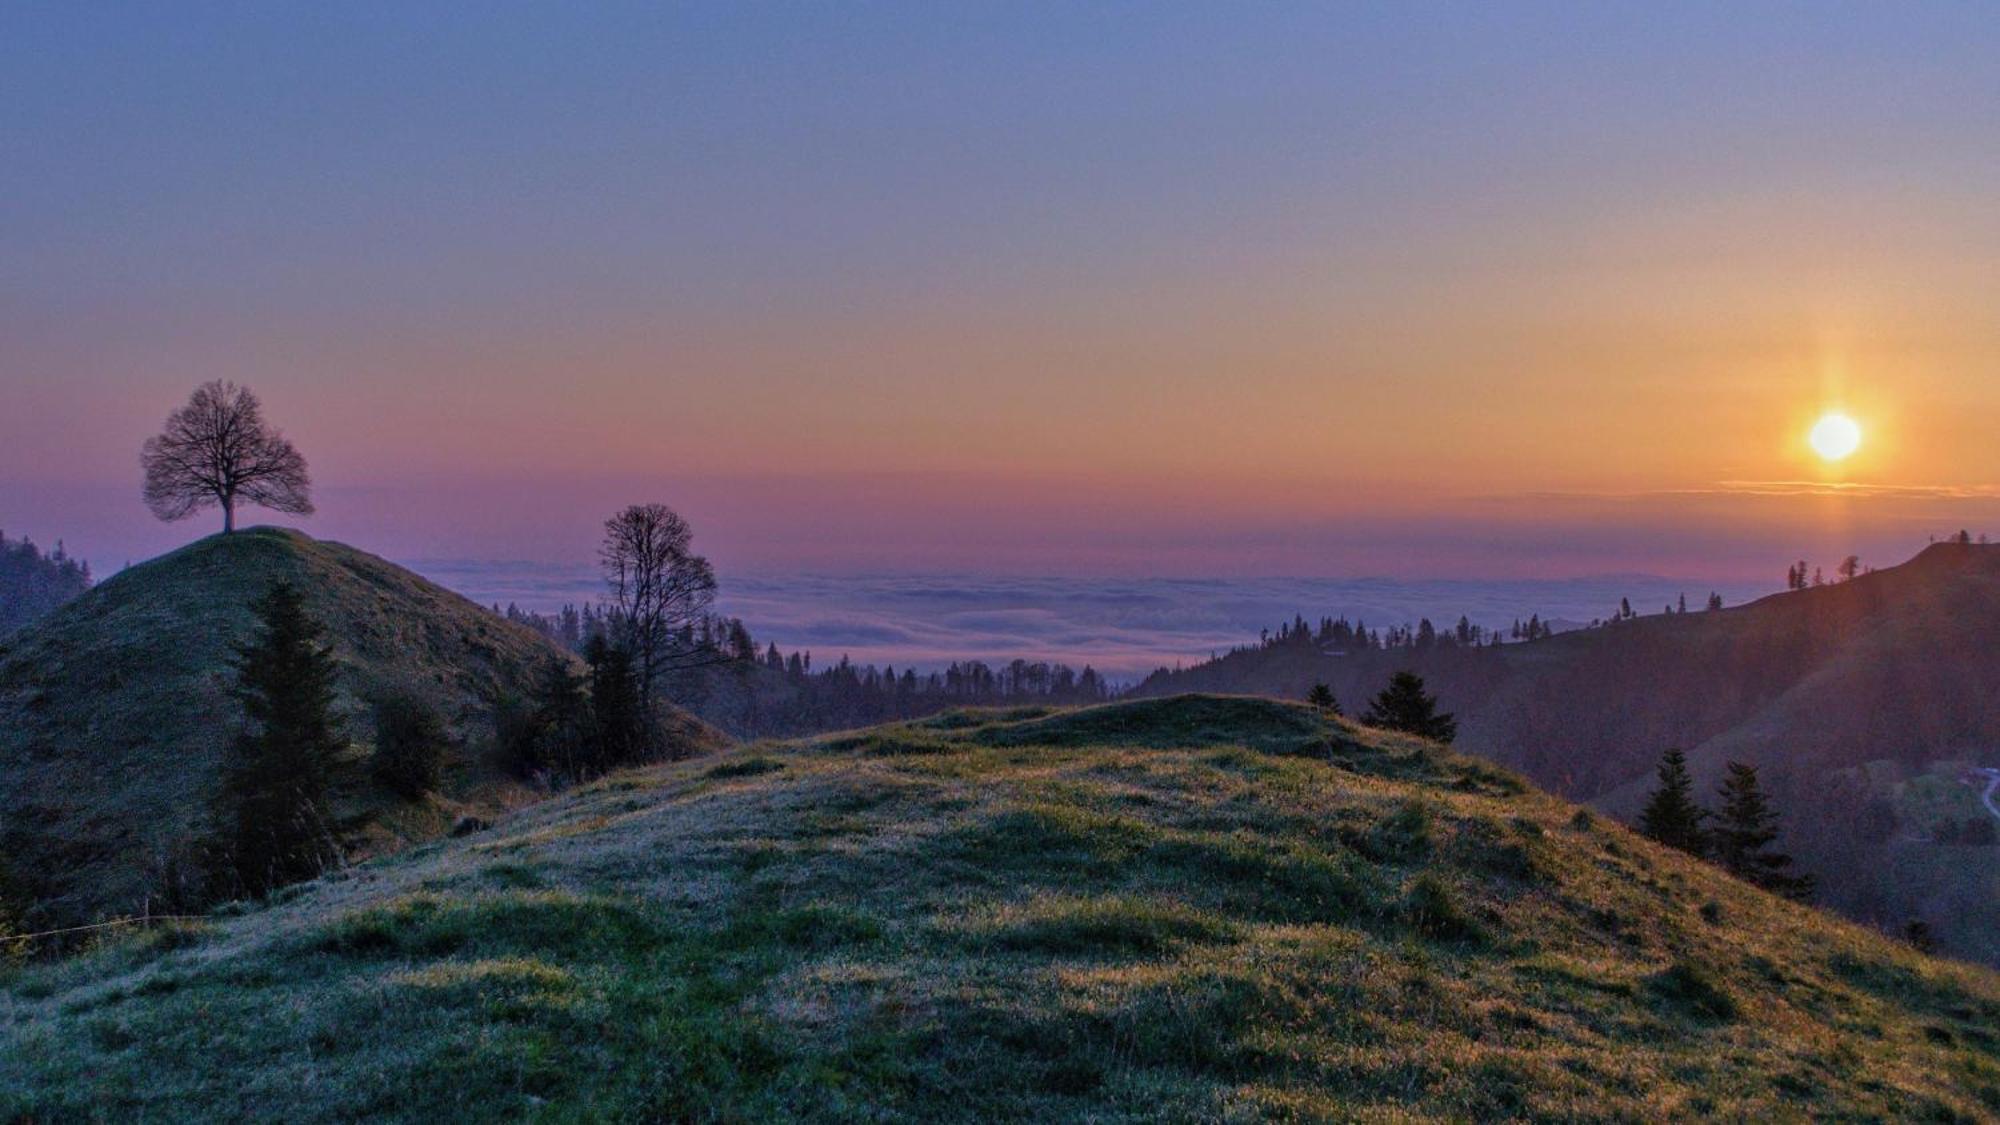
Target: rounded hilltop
x,y
1195,907
117,709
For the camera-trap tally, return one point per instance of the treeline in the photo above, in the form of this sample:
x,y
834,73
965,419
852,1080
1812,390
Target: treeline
x,y
33,582
1337,635
726,679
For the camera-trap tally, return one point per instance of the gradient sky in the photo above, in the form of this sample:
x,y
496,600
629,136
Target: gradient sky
x,y
1149,289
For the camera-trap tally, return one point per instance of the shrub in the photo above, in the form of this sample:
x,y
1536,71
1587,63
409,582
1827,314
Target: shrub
x,y
411,747
1695,990
1403,835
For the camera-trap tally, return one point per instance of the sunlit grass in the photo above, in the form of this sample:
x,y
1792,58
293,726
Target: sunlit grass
x,y
1223,909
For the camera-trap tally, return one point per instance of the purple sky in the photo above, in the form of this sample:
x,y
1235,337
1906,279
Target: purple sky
x,y
1421,290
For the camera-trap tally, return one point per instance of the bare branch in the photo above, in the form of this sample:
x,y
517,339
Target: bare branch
x,y
216,451
659,587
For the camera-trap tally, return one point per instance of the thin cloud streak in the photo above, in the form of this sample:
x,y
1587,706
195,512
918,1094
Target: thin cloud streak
x,y
1777,488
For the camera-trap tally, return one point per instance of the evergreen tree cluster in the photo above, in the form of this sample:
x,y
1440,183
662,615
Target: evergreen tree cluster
x,y
1742,833
1337,635
32,582
577,726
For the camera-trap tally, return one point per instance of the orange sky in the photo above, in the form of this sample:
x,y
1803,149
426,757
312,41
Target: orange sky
x,y
1373,273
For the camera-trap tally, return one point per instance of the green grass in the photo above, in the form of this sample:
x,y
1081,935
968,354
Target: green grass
x,y
1307,922
116,712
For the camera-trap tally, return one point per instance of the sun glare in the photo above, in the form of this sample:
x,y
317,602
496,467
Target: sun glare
x,y
1835,437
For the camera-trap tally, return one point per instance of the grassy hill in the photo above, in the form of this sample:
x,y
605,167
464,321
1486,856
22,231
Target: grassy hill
x,y
1188,908
1845,695
115,711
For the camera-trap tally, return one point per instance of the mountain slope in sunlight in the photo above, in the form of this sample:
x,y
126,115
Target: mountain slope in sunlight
x,y
1196,908
1852,697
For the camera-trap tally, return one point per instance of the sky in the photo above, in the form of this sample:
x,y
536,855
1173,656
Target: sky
x,y
1161,290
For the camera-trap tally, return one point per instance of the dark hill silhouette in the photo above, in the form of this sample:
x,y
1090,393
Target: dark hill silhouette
x,y
116,710
1899,666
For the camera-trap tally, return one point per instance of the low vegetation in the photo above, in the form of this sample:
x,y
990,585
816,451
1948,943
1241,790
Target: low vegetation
x,y
1192,908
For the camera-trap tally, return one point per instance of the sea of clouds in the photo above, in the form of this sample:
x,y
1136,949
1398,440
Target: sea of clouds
x,y
1126,628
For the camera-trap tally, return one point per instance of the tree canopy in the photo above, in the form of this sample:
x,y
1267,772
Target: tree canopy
x,y
1405,706
216,451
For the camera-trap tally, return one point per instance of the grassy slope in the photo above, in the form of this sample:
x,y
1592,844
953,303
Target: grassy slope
x,y
1899,665
1196,907
116,710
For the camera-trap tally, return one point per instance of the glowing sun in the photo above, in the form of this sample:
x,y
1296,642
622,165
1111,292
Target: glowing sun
x,y
1835,437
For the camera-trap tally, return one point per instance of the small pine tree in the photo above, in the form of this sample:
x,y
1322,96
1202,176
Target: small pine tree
x,y
1405,706
1671,816
1321,696
411,746
1745,829
277,811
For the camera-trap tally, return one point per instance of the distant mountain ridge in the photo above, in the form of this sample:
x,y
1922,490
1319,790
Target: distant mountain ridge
x,y
1899,666
117,709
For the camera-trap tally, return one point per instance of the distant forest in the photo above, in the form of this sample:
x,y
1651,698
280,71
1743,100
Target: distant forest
x,y
33,583
754,692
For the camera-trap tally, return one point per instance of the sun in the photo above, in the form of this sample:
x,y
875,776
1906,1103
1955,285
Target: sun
x,y
1835,437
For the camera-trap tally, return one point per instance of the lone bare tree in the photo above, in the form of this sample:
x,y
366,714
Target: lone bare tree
x,y
217,450
660,590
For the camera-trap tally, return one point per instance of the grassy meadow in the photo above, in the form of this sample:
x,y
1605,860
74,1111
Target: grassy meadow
x,y
1193,908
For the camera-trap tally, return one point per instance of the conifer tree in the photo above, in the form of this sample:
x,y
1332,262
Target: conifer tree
x,y
1745,829
619,723
1671,815
1405,706
1321,696
276,788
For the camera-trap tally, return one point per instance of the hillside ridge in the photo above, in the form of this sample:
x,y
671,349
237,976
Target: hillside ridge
x,y
1860,701
117,709
1197,907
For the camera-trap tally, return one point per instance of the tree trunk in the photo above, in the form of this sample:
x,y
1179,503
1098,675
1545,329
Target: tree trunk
x,y
228,514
